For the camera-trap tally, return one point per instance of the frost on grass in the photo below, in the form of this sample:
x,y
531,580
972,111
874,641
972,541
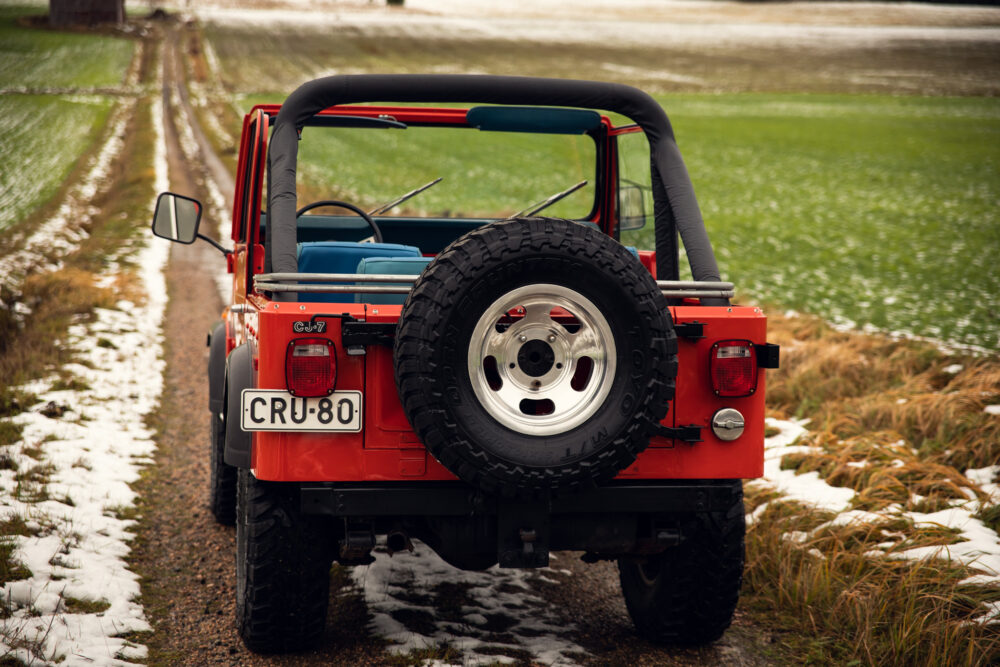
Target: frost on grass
x,y
43,136
418,602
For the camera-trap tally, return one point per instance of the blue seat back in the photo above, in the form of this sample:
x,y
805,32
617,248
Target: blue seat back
x,y
392,266
343,257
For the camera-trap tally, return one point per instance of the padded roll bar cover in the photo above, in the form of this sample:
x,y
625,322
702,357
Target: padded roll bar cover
x,y
314,96
239,376
217,367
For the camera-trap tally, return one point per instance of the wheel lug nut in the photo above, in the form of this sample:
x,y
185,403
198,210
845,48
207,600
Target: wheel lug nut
x,y
522,338
552,338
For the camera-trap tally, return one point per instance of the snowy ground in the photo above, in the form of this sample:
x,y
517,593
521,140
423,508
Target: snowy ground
x,y
85,446
419,601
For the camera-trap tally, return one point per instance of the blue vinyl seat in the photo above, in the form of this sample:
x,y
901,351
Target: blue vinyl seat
x,y
392,266
343,257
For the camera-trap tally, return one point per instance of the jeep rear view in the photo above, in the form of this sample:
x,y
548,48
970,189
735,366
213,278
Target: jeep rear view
x,y
474,359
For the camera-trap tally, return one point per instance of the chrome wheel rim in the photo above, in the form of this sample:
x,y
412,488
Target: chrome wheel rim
x,y
542,359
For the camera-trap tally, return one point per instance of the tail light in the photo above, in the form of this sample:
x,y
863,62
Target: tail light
x,y
311,367
734,368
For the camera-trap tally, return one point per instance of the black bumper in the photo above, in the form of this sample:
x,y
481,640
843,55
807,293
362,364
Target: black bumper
x,y
458,499
621,519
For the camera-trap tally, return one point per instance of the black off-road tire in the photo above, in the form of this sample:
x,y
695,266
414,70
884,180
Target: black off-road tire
x,y
283,564
432,346
222,480
687,595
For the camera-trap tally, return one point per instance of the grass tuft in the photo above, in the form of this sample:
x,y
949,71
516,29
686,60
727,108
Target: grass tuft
x,y
853,385
438,654
79,606
10,432
10,568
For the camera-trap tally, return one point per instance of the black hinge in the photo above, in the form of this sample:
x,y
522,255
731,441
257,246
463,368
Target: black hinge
x,y
354,333
690,330
690,434
767,355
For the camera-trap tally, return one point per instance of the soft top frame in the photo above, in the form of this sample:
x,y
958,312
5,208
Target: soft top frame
x,y
675,206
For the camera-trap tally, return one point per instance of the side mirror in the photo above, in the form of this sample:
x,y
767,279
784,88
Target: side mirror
x,y
176,217
631,207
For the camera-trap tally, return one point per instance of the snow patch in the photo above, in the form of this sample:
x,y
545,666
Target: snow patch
x,y
500,608
808,488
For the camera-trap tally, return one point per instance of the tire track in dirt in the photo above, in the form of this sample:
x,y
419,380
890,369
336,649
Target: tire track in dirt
x,y
185,558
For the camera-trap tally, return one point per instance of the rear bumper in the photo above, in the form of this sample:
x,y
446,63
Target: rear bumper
x,y
472,530
459,499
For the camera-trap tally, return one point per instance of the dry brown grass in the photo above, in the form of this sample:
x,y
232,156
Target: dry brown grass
x,y
32,344
883,472
831,601
852,385
890,422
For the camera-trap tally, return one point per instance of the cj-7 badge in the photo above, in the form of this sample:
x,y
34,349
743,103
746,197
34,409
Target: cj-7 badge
x,y
309,327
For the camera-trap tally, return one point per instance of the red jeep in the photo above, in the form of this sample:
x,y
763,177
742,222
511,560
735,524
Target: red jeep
x,y
495,383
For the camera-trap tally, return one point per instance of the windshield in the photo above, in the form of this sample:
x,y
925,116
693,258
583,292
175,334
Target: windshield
x,y
484,174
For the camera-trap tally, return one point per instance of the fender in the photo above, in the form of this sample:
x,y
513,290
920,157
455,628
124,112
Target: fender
x,y
239,376
217,367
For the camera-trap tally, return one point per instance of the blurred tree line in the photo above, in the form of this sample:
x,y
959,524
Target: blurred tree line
x,y
85,12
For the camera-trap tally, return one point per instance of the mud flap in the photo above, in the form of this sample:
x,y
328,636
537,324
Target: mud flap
x,y
239,376
217,367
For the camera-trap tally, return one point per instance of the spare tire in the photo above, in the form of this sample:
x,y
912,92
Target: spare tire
x,y
535,355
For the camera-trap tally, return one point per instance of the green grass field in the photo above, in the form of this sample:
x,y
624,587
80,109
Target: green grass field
x,y
43,135
872,210
36,58
522,170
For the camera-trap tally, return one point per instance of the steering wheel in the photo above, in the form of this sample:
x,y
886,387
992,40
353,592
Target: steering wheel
x,y
376,232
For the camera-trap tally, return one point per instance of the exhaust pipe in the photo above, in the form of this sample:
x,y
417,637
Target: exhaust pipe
x,y
397,540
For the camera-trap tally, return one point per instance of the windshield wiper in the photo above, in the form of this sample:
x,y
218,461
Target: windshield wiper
x,y
545,203
396,202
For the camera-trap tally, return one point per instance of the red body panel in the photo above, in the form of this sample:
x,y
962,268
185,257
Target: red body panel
x,y
388,449
695,403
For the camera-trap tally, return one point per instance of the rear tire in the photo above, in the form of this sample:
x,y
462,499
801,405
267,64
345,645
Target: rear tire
x,y
282,569
222,482
688,594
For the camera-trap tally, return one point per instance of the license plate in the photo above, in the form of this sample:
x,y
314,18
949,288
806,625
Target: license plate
x,y
273,410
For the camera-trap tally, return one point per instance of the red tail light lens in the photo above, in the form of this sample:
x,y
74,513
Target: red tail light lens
x,y
734,368
311,367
